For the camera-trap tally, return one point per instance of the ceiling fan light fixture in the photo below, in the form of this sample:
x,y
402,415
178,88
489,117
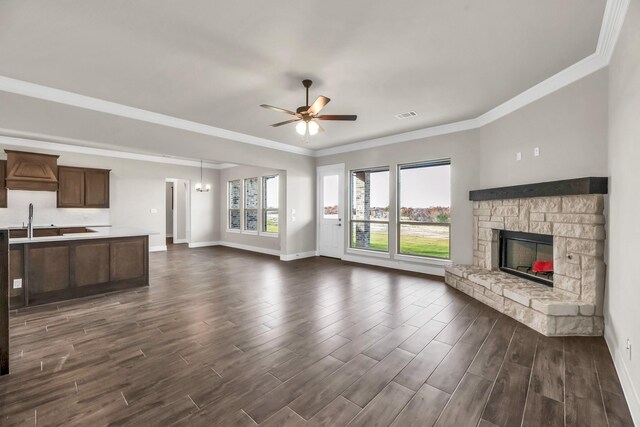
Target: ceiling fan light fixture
x,y
313,127
301,128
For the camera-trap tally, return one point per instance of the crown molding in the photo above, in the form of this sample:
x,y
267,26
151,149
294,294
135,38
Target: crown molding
x,y
69,148
613,19
46,93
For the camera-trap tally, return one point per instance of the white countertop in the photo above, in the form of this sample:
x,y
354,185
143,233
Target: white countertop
x,y
96,233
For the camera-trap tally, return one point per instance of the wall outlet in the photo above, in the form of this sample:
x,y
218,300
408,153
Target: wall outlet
x,y
153,210
519,155
17,283
536,151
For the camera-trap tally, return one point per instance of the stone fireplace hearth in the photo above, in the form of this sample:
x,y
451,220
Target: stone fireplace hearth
x,y
573,306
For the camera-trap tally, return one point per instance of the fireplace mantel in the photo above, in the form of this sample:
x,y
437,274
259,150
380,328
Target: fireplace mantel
x,y
567,187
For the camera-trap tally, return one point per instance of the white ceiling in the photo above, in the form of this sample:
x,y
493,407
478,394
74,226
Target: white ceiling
x,y
215,62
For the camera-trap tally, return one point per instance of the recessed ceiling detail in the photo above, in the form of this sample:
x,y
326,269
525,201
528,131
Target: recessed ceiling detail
x,y
459,76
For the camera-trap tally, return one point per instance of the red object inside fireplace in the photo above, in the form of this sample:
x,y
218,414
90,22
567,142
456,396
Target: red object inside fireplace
x,y
542,267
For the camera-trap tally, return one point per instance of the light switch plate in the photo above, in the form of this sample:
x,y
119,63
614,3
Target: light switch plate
x,y
153,210
519,155
17,283
536,151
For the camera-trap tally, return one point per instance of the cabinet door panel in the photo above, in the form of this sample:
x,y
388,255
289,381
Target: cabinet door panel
x,y
3,184
127,259
71,188
16,271
97,188
48,269
91,264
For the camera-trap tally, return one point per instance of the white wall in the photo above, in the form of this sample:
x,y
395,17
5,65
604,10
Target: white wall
x,y
137,187
268,243
169,209
181,208
45,211
623,241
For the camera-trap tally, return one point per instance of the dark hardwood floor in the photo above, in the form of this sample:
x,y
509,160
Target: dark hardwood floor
x,y
225,337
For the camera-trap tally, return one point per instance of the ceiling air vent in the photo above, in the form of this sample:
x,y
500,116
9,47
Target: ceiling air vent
x,y
406,115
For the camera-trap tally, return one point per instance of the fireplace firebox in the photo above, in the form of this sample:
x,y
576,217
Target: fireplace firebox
x,y
527,255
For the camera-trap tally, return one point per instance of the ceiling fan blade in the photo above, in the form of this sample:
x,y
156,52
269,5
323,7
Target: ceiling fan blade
x,y
318,105
320,128
350,118
282,110
285,123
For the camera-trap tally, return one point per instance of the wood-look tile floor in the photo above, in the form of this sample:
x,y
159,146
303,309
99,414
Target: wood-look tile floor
x,y
225,337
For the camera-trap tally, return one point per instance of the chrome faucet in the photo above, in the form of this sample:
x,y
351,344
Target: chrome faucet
x,y
30,225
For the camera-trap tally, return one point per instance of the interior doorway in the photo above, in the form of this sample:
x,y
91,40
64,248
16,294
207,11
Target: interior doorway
x,y
177,211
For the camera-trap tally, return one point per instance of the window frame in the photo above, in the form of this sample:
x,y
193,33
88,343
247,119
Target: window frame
x,y
264,210
245,230
239,209
352,221
399,222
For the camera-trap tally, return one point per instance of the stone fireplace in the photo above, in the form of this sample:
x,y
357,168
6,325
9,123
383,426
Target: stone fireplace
x,y
565,215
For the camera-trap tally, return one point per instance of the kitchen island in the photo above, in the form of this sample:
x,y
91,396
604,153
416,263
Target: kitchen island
x,y
74,262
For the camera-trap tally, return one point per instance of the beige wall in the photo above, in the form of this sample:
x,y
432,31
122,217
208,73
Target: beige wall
x,y
569,126
270,243
137,187
623,243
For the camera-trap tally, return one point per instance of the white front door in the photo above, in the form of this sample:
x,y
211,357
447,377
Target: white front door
x,y
331,211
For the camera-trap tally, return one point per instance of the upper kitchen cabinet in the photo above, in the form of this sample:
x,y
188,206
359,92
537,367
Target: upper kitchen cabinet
x,y
96,188
3,184
83,187
31,171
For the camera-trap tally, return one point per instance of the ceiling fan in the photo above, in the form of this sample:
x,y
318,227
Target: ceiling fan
x,y
307,114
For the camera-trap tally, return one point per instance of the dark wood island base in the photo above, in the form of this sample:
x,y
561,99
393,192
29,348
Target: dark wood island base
x,y
66,269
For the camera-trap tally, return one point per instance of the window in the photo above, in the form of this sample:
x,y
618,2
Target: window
x,y
234,191
424,205
251,195
330,197
369,220
270,194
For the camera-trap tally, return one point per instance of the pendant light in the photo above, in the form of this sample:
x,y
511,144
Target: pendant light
x,y
199,187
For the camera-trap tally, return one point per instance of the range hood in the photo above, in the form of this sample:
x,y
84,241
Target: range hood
x,y
31,171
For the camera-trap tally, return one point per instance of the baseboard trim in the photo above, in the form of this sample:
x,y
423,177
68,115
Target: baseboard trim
x,y
159,248
299,255
630,393
250,248
434,270
203,244
178,241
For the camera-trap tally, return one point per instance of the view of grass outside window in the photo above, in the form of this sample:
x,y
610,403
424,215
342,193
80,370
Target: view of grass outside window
x,y
369,220
270,204
424,209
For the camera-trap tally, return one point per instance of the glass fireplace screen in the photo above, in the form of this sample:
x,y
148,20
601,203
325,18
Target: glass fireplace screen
x,y
527,255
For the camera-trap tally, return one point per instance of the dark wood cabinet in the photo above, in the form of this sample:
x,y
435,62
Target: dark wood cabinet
x,y
83,187
70,187
3,184
66,269
96,188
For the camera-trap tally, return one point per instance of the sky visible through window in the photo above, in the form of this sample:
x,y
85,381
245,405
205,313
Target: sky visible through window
x,y
425,187
271,195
